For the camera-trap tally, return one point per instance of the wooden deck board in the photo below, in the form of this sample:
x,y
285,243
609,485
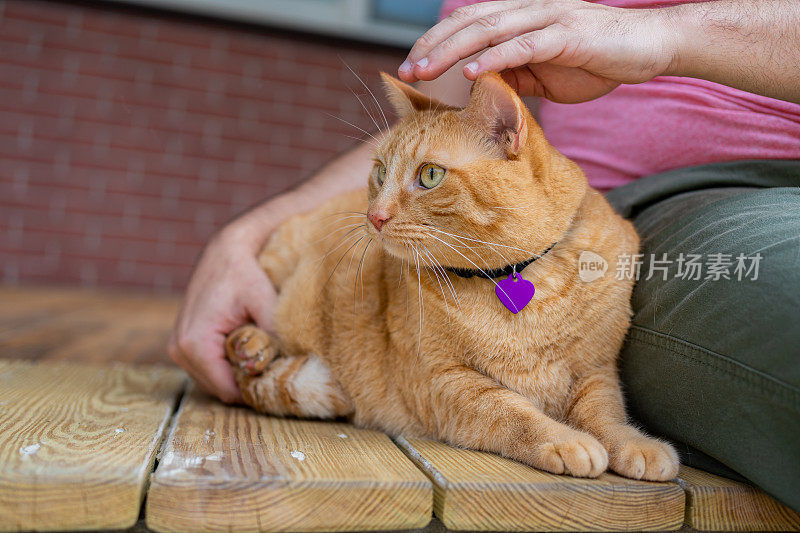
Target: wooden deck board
x,y
485,492
78,325
715,503
77,442
226,468
78,469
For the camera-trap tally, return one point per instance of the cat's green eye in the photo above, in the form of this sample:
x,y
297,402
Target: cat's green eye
x,y
430,175
379,173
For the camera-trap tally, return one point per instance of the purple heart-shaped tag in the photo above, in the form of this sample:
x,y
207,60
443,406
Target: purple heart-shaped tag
x,y
514,293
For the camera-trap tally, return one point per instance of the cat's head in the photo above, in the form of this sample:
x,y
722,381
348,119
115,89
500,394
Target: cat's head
x,y
447,180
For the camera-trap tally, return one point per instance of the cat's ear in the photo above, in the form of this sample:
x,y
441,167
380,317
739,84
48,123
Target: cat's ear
x,y
405,99
498,110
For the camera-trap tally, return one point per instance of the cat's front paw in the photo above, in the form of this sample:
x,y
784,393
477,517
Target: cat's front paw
x,y
645,458
573,452
251,349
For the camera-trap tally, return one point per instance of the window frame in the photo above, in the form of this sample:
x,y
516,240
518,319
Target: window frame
x,y
350,19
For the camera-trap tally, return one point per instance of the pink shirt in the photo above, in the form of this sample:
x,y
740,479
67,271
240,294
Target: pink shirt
x,y
666,123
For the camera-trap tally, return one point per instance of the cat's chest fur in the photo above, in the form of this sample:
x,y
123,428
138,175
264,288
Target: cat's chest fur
x,y
523,352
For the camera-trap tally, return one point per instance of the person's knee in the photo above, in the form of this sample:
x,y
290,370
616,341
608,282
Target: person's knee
x,y
721,270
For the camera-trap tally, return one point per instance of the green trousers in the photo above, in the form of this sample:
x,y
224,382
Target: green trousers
x,y
712,360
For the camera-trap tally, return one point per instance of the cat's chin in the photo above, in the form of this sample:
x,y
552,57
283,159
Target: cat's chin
x,y
396,250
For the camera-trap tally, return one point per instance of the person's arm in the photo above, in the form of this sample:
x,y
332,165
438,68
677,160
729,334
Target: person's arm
x,y
571,50
754,46
228,287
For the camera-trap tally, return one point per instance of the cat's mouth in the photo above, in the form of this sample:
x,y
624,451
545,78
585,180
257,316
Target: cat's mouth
x,y
398,250
399,246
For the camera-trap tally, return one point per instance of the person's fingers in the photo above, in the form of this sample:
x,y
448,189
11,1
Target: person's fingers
x,y
458,19
566,85
196,375
261,306
512,78
215,370
205,362
534,47
176,352
488,30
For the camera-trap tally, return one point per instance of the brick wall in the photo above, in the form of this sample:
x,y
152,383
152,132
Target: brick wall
x,y
128,137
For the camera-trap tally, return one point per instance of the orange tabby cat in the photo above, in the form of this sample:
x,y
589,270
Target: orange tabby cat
x,y
379,326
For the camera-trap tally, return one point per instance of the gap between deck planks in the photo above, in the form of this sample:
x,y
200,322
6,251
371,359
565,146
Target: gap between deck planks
x,y
78,441
75,325
227,468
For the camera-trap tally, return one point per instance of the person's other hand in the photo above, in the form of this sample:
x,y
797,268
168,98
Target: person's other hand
x,y
227,289
564,50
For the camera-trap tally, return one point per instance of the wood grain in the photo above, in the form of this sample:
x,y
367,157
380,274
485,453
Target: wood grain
x,y
226,468
79,325
485,492
86,475
77,442
715,503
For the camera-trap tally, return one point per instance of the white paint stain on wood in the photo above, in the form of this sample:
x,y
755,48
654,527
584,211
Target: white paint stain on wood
x,y
300,456
31,449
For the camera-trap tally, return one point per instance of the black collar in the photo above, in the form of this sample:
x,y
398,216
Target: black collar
x,y
501,272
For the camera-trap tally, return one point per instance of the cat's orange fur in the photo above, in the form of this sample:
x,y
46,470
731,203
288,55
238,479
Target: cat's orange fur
x,y
354,339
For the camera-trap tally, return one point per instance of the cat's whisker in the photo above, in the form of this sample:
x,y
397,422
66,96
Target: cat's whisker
x,y
505,259
402,261
430,99
356,127
345,213
441,287
338,243
355,283
368,90
361,278
532,254
359,275
346,275
492,244
512,207
334,231
366,110
340,228
362,140
444,275
431,263
421,305
468,248
343,217
473,264
333,270
444,295
408,269
465,237
461,240
340,259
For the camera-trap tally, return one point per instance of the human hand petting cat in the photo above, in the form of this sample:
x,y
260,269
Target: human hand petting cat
x,y
228,288
572,51
565,50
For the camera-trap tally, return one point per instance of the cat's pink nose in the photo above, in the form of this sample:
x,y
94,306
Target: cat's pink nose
x,y
378,219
